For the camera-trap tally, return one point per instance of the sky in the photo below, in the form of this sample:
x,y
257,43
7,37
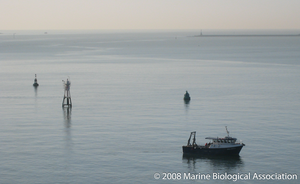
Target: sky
x,y
148,14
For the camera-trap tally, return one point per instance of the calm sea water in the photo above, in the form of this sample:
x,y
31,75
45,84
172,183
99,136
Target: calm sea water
x,y
128,119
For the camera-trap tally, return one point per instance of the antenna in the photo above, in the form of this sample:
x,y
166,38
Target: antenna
x,y
227,131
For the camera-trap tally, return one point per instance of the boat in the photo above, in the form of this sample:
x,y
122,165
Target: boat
x,y
227,146
35,84
186,96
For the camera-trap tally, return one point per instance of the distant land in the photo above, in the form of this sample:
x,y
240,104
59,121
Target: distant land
x,y
247,35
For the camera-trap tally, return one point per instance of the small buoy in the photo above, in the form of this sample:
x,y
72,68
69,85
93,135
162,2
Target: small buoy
x,y
186,96
35,83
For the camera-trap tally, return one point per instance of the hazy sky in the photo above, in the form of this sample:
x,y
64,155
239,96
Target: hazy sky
x,y
149,14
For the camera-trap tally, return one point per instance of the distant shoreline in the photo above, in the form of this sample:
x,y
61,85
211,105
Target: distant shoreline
x,y
278,35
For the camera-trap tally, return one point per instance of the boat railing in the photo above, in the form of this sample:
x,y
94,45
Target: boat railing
x,y
239,142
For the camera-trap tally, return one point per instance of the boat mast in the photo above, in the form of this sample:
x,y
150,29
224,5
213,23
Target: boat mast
x,y
194,139
227,131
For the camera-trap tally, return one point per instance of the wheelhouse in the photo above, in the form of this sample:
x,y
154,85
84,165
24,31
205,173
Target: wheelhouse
x,y
226,140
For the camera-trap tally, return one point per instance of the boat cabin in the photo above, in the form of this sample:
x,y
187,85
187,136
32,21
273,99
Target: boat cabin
x,y
221,142
226,140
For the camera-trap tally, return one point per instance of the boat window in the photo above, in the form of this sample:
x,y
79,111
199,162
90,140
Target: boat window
x,y
225,141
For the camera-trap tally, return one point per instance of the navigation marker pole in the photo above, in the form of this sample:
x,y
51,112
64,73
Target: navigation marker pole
x,y
67,94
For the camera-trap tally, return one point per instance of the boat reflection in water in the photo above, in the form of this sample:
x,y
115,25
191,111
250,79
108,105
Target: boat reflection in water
x,y
205,164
